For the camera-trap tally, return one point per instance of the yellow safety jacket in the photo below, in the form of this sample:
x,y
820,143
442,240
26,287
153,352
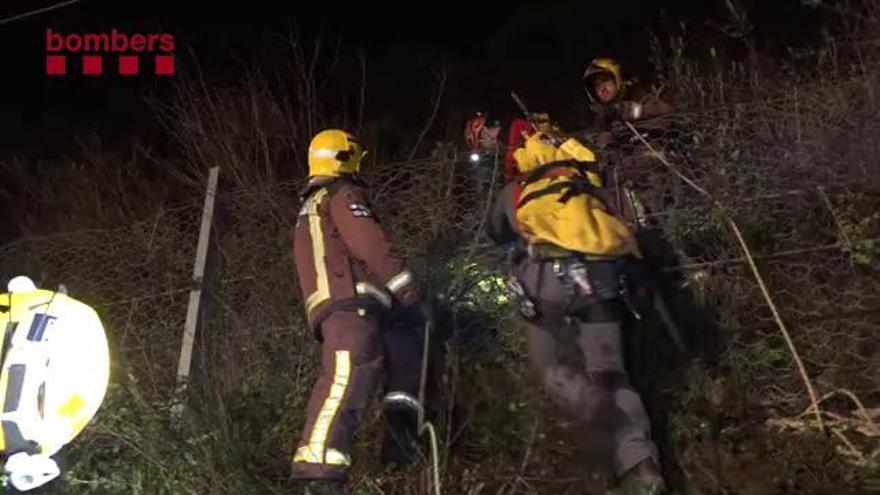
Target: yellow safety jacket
x,y
560,206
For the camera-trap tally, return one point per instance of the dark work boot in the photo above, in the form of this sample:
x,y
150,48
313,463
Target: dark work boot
x,y
325,487
400,444
644,479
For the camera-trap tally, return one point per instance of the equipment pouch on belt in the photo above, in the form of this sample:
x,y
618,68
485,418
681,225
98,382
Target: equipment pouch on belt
x,y
596,280
526,306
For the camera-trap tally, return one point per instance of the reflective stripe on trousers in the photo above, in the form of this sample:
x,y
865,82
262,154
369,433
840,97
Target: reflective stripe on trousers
x,y
355,351
316,450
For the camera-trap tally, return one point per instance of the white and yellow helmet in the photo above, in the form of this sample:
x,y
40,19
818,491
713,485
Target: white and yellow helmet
x,y
55,372
334,152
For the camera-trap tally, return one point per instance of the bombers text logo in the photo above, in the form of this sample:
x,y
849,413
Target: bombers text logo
x,y
93,54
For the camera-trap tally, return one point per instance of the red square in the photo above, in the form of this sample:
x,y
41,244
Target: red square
x,y
56,65
128,65
93,65
164,65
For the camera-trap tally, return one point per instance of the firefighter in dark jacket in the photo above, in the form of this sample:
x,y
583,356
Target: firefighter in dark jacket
x,y
612,98
563,289
352,279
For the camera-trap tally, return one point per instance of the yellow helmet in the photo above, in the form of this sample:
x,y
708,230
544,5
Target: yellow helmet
x,y
602,66
539,150
334,152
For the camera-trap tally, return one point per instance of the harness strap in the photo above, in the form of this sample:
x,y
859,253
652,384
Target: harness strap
x,y
544,170
569,189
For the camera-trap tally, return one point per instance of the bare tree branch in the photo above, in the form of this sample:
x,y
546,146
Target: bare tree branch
x,y
362,58
38,11
441,88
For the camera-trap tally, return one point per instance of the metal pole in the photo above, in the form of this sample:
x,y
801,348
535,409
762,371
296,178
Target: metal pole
x,y
195,295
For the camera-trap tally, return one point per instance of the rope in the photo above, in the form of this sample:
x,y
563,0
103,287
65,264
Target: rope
x,y
426,425
754,268
435,456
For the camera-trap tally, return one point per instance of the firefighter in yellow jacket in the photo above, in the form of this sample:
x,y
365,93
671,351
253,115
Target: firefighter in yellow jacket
x,y
352,278
567,252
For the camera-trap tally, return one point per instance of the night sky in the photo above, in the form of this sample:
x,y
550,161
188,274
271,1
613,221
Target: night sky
x,y
536,48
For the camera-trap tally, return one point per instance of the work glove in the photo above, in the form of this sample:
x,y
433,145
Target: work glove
x,y
629,110
513,253
425,311
418,313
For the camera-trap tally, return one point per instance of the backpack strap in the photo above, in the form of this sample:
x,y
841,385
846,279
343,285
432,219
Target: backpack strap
x,y
581,186
544,170
569,189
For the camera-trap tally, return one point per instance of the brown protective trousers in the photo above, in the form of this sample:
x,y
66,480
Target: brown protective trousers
x,y
600,396
357,348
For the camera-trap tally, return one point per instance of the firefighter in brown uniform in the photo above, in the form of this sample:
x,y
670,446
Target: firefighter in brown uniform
x,y
352,278
566,250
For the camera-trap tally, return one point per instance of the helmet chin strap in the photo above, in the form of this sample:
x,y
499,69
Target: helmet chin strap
x,y
589,93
